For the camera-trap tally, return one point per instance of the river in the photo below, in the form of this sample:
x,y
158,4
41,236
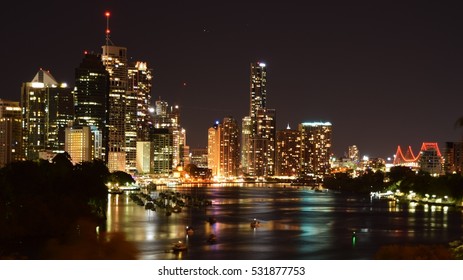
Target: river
x,y
296,224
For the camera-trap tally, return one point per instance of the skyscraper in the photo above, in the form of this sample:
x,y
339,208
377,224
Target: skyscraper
x,y
315,149
10,132
258,88
116,63
258,129
223,148
115,60
229,148
91,101
165,116
47,108
163,146
213,149
140,82
288,152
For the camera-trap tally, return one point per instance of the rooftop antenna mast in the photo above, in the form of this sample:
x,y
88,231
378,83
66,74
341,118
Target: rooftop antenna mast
x,y
108,31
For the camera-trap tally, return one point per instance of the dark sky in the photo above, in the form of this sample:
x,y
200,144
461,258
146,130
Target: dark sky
x,y
384,73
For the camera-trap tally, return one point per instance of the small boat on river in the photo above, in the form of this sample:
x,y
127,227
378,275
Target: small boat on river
x,y
211,239
179,247
255,224
189,230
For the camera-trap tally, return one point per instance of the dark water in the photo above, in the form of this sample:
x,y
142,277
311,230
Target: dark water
x,y
296,224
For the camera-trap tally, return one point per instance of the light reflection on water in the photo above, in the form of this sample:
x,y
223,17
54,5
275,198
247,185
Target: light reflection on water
x,y
295,224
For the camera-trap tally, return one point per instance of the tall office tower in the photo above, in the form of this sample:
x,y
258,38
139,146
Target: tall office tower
x,y
229,148
258,88
47,107
288,152
60,115
163,151
353,153
166,116
213,149
315,149
10,132
91,93
79,143
115,61
138,118
246,131
140,81
180,146
223,148
258,131
261,151
453,157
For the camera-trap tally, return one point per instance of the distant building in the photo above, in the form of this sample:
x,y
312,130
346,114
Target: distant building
x,y
429,159
353,153
163,151
10,132
198,157
115,60
79,144
259,128
168,117
92,100
223,148
140,82
47,108
145,157
137,116
288,152
315,149
453,156
213,149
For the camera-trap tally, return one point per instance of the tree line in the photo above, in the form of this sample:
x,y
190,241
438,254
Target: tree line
x,y
399,178
57,210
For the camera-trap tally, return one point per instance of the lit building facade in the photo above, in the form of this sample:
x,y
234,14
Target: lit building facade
x,y
353,154
315,149
145,157
47,108
10,132
288,152
258,129
429,159
223,148
213,149
163,151
246,133
115,61
168,117
198,157
79,143
91,93
229,148
453,157
140,81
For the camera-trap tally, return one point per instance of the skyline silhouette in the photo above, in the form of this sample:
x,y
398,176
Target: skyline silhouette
x,y
384,74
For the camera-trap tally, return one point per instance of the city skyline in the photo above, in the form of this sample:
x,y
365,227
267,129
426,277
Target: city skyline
x,y
382,75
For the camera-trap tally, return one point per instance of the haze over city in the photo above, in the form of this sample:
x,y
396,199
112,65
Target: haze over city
x,y
384,74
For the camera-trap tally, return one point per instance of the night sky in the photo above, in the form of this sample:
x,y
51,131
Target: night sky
x,y
384,73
